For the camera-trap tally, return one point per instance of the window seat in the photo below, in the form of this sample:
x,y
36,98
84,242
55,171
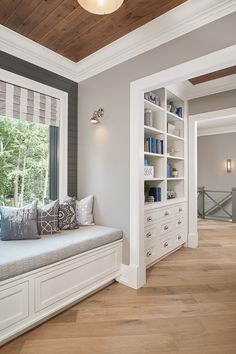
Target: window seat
x,y
19,257
39,278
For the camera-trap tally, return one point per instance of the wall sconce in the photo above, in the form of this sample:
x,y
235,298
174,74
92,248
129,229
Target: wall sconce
x,y
95,119
229,165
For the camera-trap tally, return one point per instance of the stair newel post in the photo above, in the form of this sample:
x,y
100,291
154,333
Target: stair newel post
x,y
234,205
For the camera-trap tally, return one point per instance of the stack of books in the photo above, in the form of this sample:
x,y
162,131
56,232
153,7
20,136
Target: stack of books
x,y
153,145
156,193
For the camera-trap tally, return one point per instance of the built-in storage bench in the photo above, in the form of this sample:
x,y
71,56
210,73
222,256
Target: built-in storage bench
x,y
32,297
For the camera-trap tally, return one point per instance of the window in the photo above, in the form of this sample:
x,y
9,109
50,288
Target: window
x,y
28,146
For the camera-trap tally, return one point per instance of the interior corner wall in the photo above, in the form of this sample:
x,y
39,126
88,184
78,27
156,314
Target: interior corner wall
x,y
33,72
210,103
104,149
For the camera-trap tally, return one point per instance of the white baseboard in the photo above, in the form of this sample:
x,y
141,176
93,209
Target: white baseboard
x,y
192,240
130,276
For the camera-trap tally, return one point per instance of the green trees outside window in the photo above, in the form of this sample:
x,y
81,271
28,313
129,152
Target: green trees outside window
x,y
24,162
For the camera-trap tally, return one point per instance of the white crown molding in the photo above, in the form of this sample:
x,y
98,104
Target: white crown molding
x,y
215,131
30,51
177,22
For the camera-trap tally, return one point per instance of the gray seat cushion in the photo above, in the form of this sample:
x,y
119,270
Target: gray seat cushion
x,y
18,257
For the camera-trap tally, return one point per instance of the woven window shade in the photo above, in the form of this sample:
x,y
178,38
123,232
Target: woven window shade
x,y
20,103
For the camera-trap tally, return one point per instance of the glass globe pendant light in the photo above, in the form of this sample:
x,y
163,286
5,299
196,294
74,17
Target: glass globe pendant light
x,y
101,7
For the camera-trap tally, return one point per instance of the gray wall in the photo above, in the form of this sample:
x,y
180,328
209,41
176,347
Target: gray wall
x,y
33,72
214,102
213,151
104,150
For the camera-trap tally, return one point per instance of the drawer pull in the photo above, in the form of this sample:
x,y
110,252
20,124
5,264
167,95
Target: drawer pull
x,y
180,209
166,227
179,222
149,253
179,237
166,213
149,234
149,219
166,244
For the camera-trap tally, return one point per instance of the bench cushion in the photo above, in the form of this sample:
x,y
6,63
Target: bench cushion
x,y
18,257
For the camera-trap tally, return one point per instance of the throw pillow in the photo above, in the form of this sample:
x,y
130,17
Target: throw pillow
x,y
84,211
67,215
48,218
19,223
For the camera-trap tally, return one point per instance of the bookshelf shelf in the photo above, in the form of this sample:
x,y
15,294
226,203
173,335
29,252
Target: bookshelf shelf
x,y
154,179
171,136
174,117
152,106
153,154
175,179
175,157
153,130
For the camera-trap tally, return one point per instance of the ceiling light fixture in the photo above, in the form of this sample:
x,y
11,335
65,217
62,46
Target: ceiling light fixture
x,y
101,7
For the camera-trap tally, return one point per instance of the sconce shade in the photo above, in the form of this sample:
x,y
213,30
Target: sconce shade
x,y
229,166
101,7
95,119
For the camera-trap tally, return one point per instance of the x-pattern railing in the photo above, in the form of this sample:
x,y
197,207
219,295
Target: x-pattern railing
x,y
205,196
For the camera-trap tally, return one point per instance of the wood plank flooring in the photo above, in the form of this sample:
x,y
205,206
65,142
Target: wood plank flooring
x,y
188,306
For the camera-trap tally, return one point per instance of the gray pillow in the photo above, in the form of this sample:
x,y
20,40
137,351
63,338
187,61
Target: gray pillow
x,y
48,218
19,223
67,215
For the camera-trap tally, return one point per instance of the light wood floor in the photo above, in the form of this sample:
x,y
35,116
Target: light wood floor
x,y
187,307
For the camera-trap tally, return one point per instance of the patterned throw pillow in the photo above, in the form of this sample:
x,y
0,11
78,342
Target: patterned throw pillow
x,y
67,215
48,218
19,223
84,211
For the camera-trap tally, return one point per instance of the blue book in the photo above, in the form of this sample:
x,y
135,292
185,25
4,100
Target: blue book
x,y
156,193
149,141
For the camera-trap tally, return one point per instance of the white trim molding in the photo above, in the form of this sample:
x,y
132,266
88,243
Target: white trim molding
x,y
63,97
215,131
185,18
24,48
196,67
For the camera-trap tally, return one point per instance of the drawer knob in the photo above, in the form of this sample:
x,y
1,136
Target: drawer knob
x,y
166,213
179,237
180,209
149,253
179,222
149,234
149,218
166,244
166,227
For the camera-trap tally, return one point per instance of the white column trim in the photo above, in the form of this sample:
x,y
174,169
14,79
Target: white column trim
x,y
135,275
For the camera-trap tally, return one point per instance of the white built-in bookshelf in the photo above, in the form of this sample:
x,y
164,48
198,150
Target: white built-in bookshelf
x,y
167,124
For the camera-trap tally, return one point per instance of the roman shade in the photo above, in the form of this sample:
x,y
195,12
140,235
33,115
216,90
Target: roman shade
x,y
20,103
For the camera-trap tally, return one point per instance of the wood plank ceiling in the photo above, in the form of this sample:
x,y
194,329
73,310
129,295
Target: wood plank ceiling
x,y
213,75
66,28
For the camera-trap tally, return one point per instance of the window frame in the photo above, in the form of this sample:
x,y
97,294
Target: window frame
x,y
58,140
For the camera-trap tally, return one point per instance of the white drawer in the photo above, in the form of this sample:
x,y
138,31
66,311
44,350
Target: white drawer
x,y
150,218
180,238
162,247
